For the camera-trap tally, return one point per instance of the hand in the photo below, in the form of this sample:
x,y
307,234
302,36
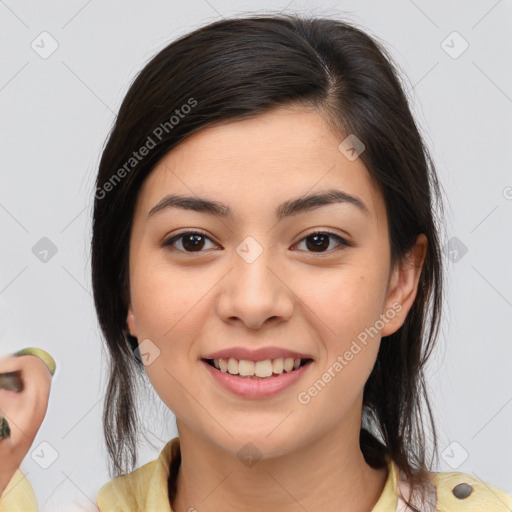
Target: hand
x,y
24,411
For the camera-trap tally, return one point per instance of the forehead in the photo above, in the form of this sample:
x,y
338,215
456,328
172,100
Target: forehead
x,y
259,162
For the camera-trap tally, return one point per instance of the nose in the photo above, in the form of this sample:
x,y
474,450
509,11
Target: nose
x,y
254,293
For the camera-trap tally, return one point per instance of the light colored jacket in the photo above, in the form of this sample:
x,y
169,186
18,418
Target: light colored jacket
x,y
145,490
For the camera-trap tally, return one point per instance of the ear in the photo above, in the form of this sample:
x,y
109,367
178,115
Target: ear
x,y
130,320
403,286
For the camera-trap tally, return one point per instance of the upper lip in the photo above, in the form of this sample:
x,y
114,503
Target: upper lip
x,y
260,354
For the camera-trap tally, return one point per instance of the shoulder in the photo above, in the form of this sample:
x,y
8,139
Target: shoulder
x,y
18,495
142,489
463,492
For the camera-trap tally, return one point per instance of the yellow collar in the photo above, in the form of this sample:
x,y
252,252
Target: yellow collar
x,y
146,487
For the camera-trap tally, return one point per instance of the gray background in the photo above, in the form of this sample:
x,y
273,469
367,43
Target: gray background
x,y
56,113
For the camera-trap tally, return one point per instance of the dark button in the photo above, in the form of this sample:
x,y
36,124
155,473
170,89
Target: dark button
x,y
462,491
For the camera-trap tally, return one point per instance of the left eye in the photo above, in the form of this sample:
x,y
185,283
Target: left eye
x,y
319,240
194,241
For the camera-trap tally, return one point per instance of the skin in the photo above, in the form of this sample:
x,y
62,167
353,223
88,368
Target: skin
x,y
24,410
192,303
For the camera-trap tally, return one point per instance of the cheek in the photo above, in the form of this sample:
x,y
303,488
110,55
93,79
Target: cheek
x,y
345,301
165,303
345,317
346,305
170,306
164,299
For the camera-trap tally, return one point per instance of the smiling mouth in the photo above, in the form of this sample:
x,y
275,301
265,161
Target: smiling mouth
x,y
268,368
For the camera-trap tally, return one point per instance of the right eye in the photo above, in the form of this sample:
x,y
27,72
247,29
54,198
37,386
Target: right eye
x,y
190,241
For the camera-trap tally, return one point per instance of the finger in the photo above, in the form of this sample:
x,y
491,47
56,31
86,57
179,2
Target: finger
x,y
25,410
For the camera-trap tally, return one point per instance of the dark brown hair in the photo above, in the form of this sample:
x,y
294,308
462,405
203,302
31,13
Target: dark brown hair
x,y
239,68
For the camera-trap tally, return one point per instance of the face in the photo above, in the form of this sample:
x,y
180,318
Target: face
x,y
262,276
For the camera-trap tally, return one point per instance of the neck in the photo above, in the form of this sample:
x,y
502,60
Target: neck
x,y
327,474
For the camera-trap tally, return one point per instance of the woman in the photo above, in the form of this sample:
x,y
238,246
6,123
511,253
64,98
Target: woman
x,y
265,250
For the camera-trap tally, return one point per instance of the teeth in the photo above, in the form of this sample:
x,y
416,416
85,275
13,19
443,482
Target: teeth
x,y
277,365
245,368
262,369
233,366
288,364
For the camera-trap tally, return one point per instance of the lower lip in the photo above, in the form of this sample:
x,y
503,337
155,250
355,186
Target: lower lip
x,y
256,388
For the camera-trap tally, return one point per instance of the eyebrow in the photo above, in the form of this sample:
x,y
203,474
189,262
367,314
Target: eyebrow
x,y
286,209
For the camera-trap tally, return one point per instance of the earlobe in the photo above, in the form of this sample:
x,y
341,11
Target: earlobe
x,y
130,320
403,286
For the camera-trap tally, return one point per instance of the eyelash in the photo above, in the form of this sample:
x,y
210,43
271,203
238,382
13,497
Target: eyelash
x,y
169,243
